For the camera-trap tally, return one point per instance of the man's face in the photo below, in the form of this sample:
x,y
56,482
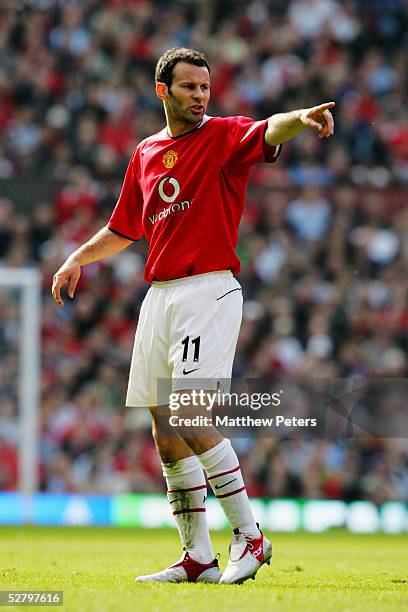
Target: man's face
x,y
189,93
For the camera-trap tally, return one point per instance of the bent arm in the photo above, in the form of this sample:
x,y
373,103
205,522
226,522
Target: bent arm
x,y
103,244
284,126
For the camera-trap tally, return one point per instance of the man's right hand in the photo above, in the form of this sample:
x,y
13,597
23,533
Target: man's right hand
x,y
69,273
103,244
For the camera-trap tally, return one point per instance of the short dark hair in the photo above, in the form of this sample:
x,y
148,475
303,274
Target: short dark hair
x,y
166,63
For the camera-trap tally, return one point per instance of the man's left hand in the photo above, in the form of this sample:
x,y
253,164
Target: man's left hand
x,y
319,118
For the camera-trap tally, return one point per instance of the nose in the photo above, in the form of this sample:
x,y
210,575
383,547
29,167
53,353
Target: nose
x,y
198,94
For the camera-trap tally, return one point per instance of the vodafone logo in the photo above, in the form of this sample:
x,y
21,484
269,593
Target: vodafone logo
x,y
175,186
169,189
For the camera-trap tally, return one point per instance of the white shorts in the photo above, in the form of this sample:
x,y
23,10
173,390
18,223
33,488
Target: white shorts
x,y
186,335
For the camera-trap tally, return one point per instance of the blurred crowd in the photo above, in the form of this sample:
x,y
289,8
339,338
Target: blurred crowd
x,y
323,241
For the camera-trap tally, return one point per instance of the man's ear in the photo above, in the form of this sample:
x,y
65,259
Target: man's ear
x,y
162,91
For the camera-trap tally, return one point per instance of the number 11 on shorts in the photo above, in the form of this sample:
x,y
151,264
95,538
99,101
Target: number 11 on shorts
x,y
195,343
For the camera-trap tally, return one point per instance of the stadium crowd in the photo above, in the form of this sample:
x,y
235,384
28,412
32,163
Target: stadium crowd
x,y
323,240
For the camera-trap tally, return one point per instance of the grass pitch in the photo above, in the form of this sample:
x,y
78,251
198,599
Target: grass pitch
x,y
96,567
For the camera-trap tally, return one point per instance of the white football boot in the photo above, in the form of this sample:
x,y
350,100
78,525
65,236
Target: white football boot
x,y
246,556
186,570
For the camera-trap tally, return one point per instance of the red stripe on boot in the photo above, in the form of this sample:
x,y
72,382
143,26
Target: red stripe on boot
x,y
187,490
189,510
223,473
232,493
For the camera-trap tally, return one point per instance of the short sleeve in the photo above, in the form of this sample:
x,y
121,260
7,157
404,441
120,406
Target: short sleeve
x,y
126,218
245,142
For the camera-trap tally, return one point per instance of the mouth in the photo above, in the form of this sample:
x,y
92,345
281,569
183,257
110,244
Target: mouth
x,y
197,108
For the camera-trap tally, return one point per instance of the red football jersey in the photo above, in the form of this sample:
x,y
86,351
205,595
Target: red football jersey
x,y
186,195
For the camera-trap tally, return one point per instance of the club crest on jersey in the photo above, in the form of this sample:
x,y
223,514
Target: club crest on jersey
x,y
170,158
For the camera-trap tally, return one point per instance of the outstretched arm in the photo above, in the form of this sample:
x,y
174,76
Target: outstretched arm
x,y
103,244
283,126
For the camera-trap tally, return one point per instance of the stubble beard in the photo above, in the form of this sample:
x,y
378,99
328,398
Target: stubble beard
x,y
177,113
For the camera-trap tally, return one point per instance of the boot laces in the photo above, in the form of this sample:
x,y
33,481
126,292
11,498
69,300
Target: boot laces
x,y
239,537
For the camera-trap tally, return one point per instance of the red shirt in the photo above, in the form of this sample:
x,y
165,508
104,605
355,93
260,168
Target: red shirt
x,y
186,195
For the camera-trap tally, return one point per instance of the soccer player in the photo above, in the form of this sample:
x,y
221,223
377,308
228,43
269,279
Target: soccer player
x,y
184,190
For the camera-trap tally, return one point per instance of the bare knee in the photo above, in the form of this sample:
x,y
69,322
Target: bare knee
x,y
169,445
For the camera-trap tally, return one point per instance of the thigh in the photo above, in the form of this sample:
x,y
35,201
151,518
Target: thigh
x,y
150,353
205,323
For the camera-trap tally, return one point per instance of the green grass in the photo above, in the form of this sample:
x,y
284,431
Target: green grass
x,y
96,567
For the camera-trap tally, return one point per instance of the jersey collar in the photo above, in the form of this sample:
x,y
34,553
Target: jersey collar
x,y
197,127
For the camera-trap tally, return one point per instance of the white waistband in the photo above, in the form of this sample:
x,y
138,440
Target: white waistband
x,y
190,279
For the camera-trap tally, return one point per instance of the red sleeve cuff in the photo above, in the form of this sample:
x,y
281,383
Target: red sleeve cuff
x,y
271,154
114,231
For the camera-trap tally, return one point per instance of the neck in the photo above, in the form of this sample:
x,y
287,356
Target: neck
x,y
177,127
